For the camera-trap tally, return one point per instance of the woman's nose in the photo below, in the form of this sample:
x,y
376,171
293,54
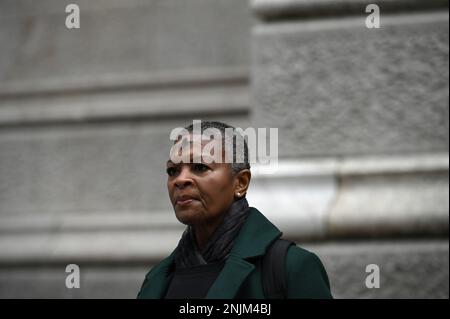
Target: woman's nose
x,y
184,178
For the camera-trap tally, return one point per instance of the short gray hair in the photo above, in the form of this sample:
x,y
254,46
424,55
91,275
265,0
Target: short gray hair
x,y
235,166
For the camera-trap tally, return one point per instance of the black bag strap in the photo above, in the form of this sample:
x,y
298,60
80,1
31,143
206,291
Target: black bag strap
x,y
273,270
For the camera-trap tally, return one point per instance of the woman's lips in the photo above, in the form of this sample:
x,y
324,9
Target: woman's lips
x,y
185,202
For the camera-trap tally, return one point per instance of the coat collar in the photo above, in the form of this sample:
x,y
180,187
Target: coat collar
x,y
255,235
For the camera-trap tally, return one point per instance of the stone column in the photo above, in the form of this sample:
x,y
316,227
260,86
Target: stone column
x,y
363,119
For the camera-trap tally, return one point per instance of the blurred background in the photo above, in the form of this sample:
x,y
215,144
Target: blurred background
x,y
85,116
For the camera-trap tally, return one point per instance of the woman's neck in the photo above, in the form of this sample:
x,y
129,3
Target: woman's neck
x,y
204,231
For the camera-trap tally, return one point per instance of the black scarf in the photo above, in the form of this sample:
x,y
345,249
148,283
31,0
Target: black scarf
x,y
219,244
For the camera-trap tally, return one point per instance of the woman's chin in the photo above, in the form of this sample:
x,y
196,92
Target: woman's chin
x,y
187,216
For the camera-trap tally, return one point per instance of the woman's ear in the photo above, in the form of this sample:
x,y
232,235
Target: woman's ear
x,y
241,183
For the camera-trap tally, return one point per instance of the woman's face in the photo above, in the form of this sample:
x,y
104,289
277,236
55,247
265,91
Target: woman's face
x,y
200,192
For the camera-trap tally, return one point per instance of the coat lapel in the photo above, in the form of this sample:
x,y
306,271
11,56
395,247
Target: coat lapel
x,y
230,278
159,279
256,234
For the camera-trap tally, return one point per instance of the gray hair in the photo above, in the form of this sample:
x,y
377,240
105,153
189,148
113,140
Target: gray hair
x,y
238,164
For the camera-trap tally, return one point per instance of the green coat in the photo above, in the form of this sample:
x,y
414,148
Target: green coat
x,y
241,274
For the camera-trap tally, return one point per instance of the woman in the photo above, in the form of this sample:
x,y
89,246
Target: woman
x,y
221,253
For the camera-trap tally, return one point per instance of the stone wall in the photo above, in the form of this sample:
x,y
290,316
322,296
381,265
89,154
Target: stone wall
x,y
85,117
363,119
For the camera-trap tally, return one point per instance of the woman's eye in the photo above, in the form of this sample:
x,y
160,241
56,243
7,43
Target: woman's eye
x,y
200,168
171,171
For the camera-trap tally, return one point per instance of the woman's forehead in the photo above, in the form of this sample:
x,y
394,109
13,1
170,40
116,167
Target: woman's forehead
x,y
197,151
